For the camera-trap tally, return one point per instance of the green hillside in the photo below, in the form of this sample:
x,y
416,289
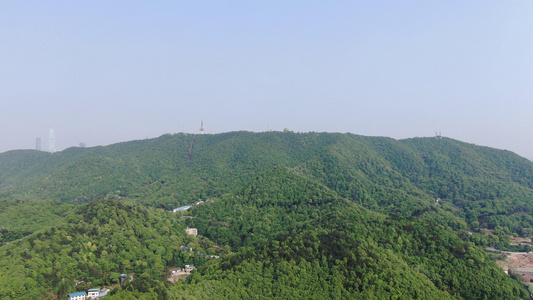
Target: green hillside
x,y
298,239
405,177
92,246
305,215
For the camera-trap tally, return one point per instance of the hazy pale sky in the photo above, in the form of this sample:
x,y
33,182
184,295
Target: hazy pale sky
x,y
102,72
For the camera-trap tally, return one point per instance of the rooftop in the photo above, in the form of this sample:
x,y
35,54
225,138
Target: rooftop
x,y
182,208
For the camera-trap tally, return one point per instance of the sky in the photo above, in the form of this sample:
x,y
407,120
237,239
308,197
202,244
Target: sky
x,y
102,72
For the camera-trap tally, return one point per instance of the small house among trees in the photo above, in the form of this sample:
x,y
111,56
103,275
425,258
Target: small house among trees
x,y
192,231
77,296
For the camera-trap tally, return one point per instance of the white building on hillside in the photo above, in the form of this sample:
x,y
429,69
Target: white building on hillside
x,y
93,294
192,231
77,296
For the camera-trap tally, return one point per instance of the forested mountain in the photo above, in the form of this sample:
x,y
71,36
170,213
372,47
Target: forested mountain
x,y
306,215
305,233
296,239
490,186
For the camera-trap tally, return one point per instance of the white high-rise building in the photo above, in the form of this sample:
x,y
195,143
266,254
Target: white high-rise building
x,y
52,141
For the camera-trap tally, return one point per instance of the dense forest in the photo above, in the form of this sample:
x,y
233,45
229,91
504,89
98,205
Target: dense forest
x,y
292,215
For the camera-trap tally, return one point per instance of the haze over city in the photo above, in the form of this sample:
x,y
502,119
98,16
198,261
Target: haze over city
x,y
103,72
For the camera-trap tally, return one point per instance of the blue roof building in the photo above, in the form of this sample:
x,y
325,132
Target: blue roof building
x,y
77,296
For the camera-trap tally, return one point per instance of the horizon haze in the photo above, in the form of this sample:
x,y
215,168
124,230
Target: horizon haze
x,y
101,73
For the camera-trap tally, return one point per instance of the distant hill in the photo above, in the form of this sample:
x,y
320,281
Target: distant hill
x,y
403,177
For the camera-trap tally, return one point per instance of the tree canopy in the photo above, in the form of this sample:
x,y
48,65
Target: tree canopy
x,y
291,215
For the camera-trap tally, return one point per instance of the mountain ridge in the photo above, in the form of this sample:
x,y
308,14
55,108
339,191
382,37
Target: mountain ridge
x,y
387,175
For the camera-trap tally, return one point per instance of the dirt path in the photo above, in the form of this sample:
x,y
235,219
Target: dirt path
x,y
518,262
175,276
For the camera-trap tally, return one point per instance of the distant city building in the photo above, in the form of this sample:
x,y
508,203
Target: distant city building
x,y
38,144
83,145
52,141
202,128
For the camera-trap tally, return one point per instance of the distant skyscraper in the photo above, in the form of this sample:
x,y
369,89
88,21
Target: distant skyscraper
x,y
38,144
52,141
83,145
202,128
